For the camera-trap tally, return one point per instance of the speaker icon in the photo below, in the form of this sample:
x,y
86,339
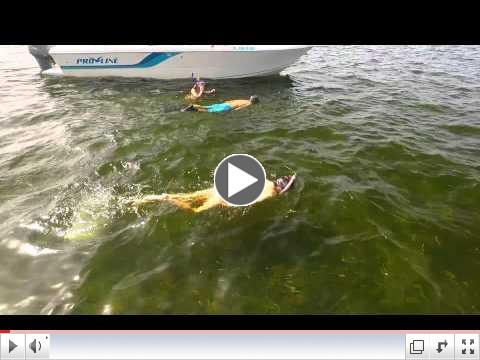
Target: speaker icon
x,y
35,346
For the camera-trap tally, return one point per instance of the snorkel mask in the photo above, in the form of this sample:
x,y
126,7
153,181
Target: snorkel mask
x,y
197,81
284,183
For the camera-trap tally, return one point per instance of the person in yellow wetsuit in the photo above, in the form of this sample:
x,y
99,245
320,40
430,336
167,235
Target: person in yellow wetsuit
x,y
202,200
225,106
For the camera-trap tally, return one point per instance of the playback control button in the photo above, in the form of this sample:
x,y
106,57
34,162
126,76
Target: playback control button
x,y
13,346
37,346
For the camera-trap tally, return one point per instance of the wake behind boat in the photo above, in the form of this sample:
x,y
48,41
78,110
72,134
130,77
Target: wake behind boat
x,y
166,61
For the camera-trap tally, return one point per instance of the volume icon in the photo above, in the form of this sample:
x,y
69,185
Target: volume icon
x,y
35,346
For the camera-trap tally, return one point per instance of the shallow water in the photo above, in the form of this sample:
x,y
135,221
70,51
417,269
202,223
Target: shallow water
x,y
384,217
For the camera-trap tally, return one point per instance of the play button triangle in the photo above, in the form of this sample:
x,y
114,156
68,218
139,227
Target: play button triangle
x,y
11,346
238,180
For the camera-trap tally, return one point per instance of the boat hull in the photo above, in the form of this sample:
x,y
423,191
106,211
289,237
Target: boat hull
x,y
221,63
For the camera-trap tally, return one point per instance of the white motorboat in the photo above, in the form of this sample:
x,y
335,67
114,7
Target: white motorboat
x,y
166,61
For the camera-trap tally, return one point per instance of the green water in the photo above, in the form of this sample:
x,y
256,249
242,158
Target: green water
x,y
384,216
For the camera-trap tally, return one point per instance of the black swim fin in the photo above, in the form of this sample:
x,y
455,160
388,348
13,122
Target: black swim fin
x,y
189,108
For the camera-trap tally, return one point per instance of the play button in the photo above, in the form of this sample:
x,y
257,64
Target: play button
x,y
239,179
11,346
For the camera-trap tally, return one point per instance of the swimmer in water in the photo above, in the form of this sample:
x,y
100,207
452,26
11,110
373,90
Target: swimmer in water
x,y
202,200
198,90
225,106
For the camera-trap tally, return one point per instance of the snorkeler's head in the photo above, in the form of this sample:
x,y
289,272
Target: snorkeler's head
x,y
284,183
254,99
199,84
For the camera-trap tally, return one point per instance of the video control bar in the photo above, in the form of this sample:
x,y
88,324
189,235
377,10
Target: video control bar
x,y
238,345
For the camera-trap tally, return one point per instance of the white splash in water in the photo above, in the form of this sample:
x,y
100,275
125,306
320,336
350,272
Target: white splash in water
x,y
83,212
26,248
107,309
35,226
32,250
91,214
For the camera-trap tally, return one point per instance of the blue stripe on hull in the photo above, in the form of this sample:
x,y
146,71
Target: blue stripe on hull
x,y
149,61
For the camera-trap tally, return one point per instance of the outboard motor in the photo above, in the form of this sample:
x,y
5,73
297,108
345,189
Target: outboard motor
x,y
42,55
